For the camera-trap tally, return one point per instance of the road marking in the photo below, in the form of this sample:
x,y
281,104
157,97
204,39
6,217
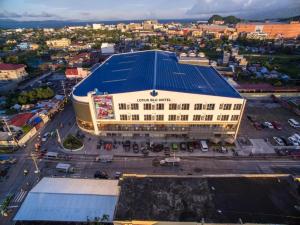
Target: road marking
x,y
19,196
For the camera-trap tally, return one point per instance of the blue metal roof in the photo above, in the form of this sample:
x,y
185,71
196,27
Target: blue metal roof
x,y
156,70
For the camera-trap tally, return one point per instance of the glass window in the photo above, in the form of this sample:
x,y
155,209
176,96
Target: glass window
x,y
122,106
237,107
172,106
227,107
147,106
198,107
159,117
197,117
210,107
172,117
208,117
160,106
123,117
185,106
234,117
223,117
184,117
135,117
134,106
147,117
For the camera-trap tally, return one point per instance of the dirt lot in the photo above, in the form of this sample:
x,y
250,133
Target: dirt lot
x,y
266,111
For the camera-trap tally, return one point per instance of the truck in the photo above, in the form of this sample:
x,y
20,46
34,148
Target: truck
x,y
172,161
64,167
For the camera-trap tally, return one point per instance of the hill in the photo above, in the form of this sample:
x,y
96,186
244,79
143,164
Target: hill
x,y
227,19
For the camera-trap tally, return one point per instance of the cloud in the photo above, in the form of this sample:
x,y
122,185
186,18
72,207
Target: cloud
x,y
12,15
250,9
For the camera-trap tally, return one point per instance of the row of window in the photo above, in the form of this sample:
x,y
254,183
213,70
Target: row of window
x,y
179,117
173,106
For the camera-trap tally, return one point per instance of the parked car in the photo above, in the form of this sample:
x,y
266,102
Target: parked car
x,y
174,147
279,141
294,123
190,146
293,141
257,126
268,125
182,146
126,146
167,151
277,125
118,175
100,175
135,148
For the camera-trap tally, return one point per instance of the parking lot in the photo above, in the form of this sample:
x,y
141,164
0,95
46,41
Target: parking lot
x,y
266,111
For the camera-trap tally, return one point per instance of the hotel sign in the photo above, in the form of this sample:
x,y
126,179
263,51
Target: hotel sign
x,y
153,100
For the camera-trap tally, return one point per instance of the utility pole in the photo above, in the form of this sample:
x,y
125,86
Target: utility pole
x,y
64,89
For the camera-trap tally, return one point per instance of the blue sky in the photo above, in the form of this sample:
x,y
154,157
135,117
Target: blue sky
x,y
144,9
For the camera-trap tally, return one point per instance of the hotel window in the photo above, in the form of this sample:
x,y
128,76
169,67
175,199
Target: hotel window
x,y
208,117
160,106
185,106
223,117
227,107
197,117
122,106
159,117
135,117
147,106
184,117
172,106
135,106
172,117
237,107
198,107
123,117
234,117
210,107
147,117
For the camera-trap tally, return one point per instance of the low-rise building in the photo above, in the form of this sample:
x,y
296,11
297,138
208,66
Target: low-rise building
x,y
59,43
107,48
76,73
12,72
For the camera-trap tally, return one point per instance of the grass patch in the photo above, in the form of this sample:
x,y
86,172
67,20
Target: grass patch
x,y
71,142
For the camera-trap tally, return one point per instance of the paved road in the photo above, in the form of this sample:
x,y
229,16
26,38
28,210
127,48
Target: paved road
x,y
85,166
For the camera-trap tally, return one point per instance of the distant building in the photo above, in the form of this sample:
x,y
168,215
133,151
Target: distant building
x,y
76,73
98,26
107,48
84,59
59,43
272,30
12,72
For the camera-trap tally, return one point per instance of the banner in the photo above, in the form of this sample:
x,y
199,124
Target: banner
x,y
104,107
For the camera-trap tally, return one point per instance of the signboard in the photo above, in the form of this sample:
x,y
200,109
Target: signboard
x,y
104,107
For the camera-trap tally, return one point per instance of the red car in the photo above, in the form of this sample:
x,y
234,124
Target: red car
x,y
108,147
257,126
277,125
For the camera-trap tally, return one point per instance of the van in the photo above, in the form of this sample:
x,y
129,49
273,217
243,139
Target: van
x,y
51,155
294,123
204,146
64,167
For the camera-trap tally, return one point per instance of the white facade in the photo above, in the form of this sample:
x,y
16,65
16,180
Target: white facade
x,y
107,48
191,110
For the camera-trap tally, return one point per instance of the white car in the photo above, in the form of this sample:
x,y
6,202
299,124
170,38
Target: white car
x,y
45,137
279,141
293,141
269,125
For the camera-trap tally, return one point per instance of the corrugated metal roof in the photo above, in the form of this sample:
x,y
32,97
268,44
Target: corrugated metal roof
x,y
158,70
63,199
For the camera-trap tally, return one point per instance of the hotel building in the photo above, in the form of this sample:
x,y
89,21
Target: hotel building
x,y
151,94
